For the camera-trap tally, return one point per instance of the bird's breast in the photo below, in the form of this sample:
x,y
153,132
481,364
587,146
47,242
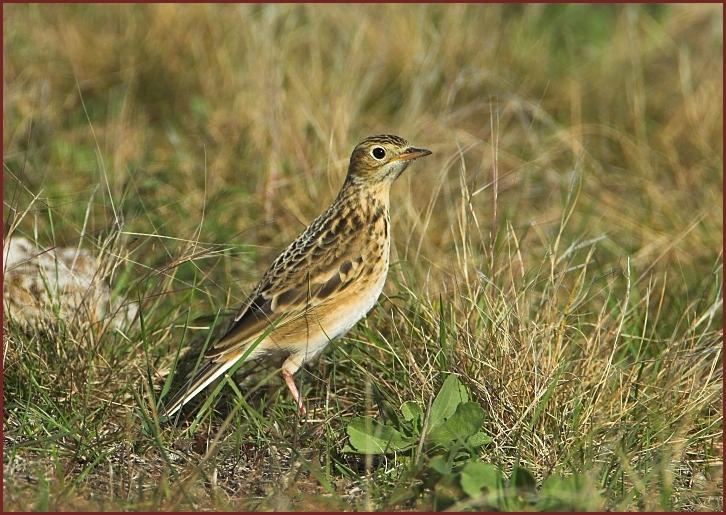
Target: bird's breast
x,y
356,303
334,316
353,303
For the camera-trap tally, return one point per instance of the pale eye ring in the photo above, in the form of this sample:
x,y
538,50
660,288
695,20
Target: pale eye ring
x,y
378,153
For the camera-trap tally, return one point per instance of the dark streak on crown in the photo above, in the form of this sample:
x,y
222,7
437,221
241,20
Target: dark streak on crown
x,y
386,138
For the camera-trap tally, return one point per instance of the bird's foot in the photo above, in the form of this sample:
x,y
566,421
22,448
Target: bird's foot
x,y
290,382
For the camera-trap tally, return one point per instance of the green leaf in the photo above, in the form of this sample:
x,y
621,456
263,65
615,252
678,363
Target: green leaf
x,y
477,475
440,465
411,412
571,493
478,439
465,422
367,436
452,394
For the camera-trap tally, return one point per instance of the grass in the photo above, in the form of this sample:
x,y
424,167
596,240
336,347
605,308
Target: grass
x,y
560,252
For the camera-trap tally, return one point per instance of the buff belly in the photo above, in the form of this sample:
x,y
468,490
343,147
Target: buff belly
x,y
304,339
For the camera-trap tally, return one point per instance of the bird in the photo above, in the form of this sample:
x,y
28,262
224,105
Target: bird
x,y
323,283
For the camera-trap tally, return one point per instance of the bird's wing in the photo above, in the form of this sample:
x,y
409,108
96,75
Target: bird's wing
x,y
281,297
310,272
301,278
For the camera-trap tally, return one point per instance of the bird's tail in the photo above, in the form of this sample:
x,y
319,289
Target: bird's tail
x,y
210,371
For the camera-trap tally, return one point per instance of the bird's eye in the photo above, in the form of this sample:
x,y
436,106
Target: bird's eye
x,y
378,153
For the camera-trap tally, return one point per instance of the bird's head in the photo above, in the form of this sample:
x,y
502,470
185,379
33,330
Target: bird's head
x,y
380,159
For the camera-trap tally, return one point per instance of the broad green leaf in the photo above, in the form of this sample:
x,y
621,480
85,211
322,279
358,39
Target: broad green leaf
x,y
571,493
440,465
554,484
411,411
479,439
452,394
477,475
368,436
465,422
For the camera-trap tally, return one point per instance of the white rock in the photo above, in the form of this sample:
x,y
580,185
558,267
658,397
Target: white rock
x,y
41,286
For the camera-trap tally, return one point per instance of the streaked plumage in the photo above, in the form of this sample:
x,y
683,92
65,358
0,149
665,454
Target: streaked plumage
x,y
324,281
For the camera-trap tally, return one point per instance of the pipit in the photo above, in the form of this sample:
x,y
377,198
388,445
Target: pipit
x,y
323,282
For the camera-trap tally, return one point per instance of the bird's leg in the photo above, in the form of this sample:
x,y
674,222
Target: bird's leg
x,y
287,376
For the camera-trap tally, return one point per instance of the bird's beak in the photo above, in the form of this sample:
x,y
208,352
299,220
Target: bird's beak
x,y
412,153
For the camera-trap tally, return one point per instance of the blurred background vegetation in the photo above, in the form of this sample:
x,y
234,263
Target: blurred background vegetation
x,y
569,221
